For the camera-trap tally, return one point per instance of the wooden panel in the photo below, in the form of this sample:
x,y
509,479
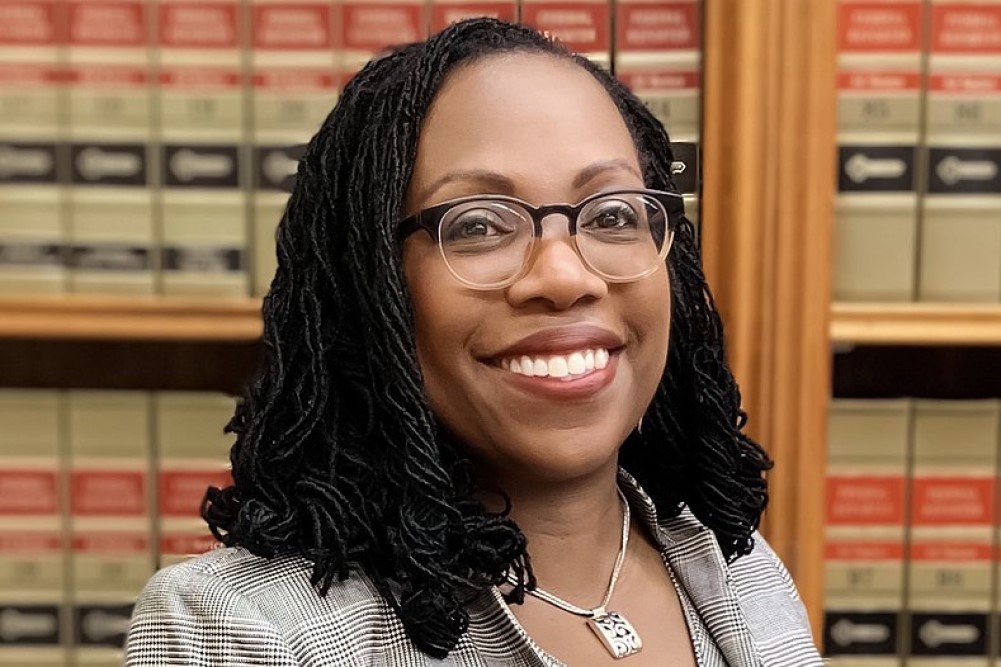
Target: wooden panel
x,y
767,201
916,324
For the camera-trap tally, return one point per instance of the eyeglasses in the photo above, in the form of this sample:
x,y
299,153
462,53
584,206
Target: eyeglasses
x,y
487,240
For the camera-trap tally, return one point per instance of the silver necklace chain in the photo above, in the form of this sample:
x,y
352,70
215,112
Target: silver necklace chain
x,y
601,609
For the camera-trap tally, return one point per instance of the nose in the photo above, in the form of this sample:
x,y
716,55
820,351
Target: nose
x,y
556,274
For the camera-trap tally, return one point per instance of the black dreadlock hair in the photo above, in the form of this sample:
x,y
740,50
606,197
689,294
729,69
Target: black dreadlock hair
x,y
338,457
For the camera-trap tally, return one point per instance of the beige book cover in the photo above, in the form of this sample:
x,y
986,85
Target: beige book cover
x,y
584,26
296,71
109,127
864,547
203,133
111,527
31,206
879,109
192,454
446,12
33,619
953,507
961,225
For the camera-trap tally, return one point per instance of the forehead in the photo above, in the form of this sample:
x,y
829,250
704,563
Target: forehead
x,y
535,119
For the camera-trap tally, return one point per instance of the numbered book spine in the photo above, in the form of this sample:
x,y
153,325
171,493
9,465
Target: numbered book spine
x,y
109,111
658,55
202,130
950,589
296,66
584,26
961,225
446,12
112,558
192,455
865,532
879,109
31,206
32,559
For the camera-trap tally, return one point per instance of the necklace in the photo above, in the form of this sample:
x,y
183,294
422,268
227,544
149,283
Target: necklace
x,y
616,633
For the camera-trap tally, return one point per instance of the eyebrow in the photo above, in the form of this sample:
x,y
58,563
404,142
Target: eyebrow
x,y
501,184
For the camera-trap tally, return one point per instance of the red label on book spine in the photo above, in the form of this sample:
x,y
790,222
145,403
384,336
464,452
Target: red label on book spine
x,y
865,500
879,81
28,492
967,501
950,551
581,27
444,15
294,79
966,28
29,23
111,542
108,493
376,26
29,74
879,26
184,544
21,541
211,25
181,491
106,75
972,84
107,24
200,77
293,27
660,80
888,550
661,26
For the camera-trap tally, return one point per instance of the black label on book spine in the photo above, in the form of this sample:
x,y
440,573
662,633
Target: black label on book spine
x,y
203,259
275,167
201,166
30,254
23,162
110,257
876,168
948,634
101,625
29,625
685,167
861,633
961,171
108,164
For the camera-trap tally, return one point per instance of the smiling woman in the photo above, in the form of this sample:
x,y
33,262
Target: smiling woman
x,y
495,425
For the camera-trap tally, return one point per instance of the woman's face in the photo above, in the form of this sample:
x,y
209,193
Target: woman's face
x,y
545,131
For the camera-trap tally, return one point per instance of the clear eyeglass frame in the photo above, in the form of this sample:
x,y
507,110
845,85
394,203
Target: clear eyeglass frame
x,y
430,220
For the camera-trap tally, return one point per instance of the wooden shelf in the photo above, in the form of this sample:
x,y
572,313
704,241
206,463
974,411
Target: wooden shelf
x,y
916,324
129,318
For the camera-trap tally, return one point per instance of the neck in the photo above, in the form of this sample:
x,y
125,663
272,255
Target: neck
x,y
574,531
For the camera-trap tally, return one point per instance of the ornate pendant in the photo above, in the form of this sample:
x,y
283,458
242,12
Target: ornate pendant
x,y
616,633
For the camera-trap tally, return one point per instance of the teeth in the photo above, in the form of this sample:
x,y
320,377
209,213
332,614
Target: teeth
x,y
557,365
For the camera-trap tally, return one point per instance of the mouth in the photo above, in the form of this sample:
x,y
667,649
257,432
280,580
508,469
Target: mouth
x,y
567,366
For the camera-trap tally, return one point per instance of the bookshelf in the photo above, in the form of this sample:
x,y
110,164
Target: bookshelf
x,y
916,324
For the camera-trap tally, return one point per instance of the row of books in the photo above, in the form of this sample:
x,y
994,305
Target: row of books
x,y
97,490
918,213
148,146
913,533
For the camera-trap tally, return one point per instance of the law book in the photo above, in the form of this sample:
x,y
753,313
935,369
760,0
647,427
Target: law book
x,y
880,71
446,12
192,455
111,526
584,26
203,133
865,531
31,211
33,619
109,128
961,225
950,584
296,69
658,55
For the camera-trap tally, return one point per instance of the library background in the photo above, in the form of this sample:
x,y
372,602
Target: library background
x,y
842,160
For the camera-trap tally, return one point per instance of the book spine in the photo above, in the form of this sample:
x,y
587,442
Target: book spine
x,y
446,12
295,69
32,556
584,26
879,105
111,527
961,225
192,455
952,518
110,192
31,207
864,546
658,55
202,203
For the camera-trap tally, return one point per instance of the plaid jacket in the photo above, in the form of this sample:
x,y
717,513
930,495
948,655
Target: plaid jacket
x,y
229,607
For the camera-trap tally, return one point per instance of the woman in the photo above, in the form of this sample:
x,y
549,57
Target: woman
x,y
472,387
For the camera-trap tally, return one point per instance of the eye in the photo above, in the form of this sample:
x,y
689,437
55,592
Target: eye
x,y
477,225
610,216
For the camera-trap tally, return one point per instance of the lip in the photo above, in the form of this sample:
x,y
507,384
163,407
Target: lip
x,y
561,340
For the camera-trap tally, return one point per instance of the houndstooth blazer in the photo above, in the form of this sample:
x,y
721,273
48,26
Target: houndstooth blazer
x,y
229,607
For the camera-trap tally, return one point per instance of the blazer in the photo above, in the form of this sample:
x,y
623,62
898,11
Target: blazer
x,y
229,607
